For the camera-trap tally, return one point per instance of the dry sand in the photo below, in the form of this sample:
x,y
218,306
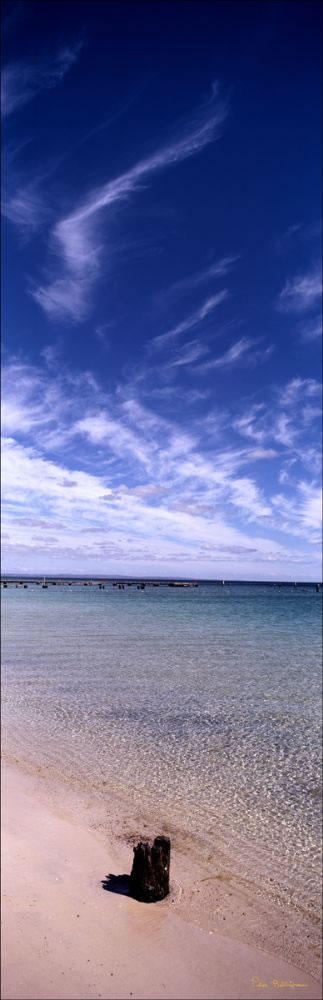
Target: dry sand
x,y
65,938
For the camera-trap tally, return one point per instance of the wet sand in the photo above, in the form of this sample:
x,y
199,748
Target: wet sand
x,y
65,937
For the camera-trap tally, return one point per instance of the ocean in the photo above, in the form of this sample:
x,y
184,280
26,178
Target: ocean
x,y
201,705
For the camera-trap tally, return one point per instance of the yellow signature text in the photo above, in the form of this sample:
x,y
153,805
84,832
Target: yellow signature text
x,y
278,984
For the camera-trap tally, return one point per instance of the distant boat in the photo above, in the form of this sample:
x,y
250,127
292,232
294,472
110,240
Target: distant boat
x,y
44,584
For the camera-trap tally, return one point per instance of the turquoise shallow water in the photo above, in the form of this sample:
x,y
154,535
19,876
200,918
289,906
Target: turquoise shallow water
x,y
204,704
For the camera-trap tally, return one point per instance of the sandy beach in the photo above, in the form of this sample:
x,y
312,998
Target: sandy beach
x,y
65,937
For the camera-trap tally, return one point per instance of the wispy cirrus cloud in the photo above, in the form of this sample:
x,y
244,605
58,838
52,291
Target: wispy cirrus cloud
x,y
312,329
217,270
102,334
301,514
26,209
22,81
192,320
75,239
296,234
231,356
292,410
251,423
242,351
311,506
102,428
192,351
301,293
41,402
298,389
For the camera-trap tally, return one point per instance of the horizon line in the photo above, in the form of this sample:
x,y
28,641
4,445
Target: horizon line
x,y
165,579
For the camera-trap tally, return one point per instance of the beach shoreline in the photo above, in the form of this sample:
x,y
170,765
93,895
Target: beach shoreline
x,y
56,853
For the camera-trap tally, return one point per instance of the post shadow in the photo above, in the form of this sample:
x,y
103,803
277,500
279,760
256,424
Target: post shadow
x,y
117,883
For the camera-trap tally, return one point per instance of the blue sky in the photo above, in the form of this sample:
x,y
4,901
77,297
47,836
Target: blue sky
x,y
162,289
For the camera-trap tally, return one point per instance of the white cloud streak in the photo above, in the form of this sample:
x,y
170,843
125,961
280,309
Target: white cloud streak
x,y
286,419
190,282
301,293
298,389
301,514
26,209
230,357
194,319
241,351
21,82
192,351
74,238
312,330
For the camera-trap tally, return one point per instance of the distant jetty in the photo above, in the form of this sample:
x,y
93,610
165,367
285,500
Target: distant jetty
x,y
140,583
101,582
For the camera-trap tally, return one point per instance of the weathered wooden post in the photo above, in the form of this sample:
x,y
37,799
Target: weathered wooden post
x,y
149,879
